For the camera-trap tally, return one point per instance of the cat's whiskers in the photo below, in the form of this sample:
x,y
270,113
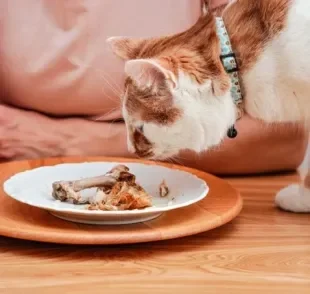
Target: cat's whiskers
x,y
177,161
113,85
98,118
109,97
116,89
117,92
116,86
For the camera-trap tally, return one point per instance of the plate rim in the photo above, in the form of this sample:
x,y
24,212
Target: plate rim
x,y
115,160
52,231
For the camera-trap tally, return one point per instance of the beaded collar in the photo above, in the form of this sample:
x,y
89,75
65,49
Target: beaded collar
x,y
230,64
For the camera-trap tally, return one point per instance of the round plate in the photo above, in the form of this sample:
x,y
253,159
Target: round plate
x,y
34,187
19,220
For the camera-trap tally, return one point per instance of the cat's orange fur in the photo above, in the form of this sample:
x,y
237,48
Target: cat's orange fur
x,y
251,25
195,53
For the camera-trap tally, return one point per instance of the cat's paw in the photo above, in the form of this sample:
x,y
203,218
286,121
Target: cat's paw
x,y
294,198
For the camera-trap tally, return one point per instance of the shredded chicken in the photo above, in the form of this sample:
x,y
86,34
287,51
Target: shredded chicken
x,y
116,190
163,189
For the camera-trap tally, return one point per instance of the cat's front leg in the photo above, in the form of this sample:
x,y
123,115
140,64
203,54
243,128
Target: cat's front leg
x,y
296,198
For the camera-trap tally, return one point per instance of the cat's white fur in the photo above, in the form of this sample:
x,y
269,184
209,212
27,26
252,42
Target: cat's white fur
x,y
278,87
279,83
204,122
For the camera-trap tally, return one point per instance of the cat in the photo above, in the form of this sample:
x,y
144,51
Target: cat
x,y
184,92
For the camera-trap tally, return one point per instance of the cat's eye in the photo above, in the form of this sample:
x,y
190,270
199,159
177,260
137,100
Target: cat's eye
x,y
140,128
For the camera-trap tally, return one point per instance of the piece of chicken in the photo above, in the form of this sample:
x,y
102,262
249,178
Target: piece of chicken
x,y
163,189
116,190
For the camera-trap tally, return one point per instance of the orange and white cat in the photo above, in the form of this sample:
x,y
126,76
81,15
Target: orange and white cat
x,y
178,94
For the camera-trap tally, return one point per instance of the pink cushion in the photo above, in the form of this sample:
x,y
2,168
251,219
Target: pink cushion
x,y
55,55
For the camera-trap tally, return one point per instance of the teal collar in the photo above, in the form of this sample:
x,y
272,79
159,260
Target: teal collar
x,y
229,62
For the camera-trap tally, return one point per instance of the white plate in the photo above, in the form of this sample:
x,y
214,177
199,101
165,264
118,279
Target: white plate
x,y
34,187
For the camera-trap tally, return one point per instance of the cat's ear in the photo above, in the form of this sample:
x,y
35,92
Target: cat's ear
x,y
149,72
123,47
205,6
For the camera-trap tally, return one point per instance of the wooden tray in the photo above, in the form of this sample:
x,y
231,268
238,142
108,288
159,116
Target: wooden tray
x,y
25,222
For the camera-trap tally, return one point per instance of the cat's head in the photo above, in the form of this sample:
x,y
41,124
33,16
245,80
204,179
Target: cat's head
x,y
176,93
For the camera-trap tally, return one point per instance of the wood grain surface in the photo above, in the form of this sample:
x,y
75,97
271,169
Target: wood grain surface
x,y
263,250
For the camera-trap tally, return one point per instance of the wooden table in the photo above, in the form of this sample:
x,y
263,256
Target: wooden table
x,y
261,251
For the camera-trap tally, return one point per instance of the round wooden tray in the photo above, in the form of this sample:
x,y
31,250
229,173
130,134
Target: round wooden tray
x,y
21,221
